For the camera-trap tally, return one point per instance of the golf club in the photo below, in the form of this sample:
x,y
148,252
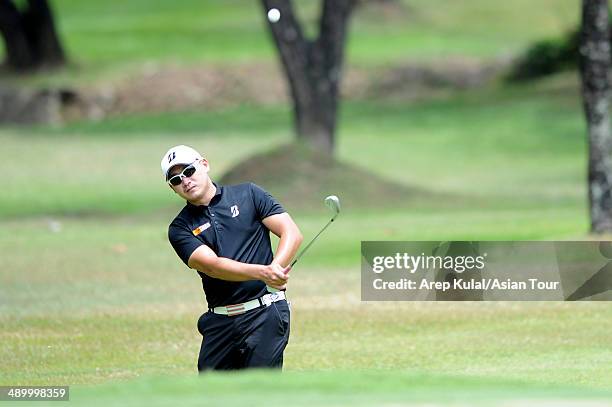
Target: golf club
x,y
333,203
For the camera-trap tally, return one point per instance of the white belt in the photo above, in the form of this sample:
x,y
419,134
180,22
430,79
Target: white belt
x,y
237,309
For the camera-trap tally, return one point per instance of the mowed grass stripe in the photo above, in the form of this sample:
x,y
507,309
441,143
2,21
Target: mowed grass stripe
x,y
546,343
339,388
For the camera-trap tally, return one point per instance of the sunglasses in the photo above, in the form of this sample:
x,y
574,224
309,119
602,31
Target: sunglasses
x,y
186,173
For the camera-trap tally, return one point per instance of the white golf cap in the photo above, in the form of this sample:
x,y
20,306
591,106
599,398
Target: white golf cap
x,y
178,155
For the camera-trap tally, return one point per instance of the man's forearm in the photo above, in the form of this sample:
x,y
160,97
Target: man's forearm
x,y
223,268
206,261
287,247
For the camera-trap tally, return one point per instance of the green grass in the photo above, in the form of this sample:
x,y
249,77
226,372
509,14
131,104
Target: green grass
x,y
355,388
69,174
108,301
235,31
507,150
258,121
70,320
106,40
104,300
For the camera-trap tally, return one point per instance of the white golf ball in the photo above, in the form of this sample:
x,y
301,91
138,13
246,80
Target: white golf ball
x,y
273,15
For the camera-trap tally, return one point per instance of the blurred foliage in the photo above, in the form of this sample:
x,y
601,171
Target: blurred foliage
x,y
547,57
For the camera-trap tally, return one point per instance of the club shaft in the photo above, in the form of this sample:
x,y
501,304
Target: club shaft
x,y
312,241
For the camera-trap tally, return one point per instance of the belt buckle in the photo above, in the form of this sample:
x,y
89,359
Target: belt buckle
x,y
268,299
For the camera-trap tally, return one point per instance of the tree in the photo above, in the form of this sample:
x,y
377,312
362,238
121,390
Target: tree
x,y
594,69
313,68
30,38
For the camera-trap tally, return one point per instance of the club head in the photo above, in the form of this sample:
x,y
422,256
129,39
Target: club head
x,y
333,203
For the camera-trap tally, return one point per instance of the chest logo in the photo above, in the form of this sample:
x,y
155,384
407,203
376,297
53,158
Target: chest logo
x,y
200,229
235,211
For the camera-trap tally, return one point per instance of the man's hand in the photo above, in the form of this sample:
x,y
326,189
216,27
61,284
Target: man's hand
x,y
275,276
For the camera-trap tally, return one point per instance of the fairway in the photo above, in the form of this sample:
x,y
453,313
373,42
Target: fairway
x,y
98,296
92,296
339,388
104,299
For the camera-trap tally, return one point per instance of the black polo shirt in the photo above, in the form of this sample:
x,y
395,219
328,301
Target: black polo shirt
x,y
231,225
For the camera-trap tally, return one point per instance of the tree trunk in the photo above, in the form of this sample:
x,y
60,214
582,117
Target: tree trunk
x,y
594,69
18,52
30,36
40,26
313,68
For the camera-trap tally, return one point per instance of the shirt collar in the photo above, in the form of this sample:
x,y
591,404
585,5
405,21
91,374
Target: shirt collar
x,y
213,200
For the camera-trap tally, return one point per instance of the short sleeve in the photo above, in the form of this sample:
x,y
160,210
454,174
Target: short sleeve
x,y
183,241
265,204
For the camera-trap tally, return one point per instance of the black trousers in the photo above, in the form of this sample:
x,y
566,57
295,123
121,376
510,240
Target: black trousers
x,y
255,339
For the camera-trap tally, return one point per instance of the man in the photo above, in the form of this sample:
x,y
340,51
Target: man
x,y
223,233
